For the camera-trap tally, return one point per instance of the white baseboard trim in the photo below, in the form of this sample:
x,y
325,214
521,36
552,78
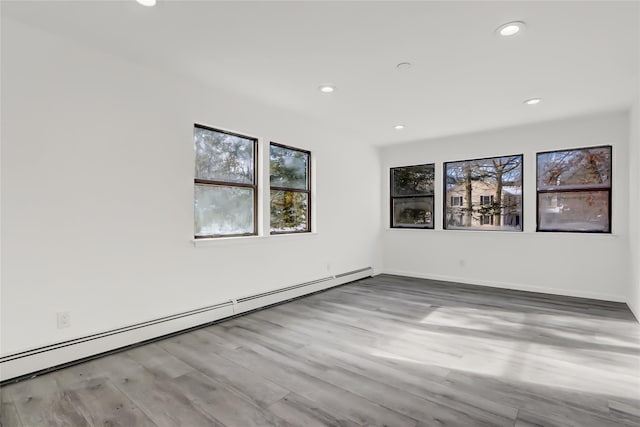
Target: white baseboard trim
x,y
26,362
509,285
42,359
264,299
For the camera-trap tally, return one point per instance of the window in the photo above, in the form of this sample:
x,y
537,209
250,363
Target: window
x,y
412,196
484,194
290,189
486,200
574,190
486,220
225,193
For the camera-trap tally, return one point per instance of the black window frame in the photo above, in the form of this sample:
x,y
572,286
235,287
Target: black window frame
x,y
446,226
297,190
393,197
254,186
540,192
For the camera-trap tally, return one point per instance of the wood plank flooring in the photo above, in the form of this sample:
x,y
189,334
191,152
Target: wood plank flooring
x,y
384,351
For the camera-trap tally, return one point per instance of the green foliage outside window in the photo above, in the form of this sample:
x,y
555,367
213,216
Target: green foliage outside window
x,y
290,190
225,184
412,196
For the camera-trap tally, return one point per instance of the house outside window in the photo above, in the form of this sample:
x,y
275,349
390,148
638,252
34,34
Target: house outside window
x,y
484,194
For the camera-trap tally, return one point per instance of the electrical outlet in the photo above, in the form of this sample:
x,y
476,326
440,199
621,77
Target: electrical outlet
x,y
64,319
462,263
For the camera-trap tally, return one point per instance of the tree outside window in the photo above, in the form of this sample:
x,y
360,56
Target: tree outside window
x,y
484,194
412,196
290,205
574,190
225,185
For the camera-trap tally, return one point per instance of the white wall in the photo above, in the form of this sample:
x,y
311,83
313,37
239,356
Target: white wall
x,y
97,194
588,265
634,208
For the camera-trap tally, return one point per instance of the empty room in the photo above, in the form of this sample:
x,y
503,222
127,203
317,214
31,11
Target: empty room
x,y
320,213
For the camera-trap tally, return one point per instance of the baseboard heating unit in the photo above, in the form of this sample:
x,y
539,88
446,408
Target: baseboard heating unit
x,y
37,361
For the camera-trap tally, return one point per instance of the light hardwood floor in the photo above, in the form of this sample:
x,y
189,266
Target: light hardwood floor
x,y
384,351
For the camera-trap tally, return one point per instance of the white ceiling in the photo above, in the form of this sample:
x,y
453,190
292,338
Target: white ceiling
x,y
580,57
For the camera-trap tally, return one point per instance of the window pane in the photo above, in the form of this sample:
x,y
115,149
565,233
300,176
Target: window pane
x,y
223,157
486,200
574,211
289,211
575,169
414,212
413,180
221,210
289,168
484,194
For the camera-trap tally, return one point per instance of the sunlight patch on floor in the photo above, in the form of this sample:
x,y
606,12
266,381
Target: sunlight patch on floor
x,y
480,320
562,367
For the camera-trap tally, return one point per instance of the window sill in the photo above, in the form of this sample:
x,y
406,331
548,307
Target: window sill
x,y
247,240
518,233
294,235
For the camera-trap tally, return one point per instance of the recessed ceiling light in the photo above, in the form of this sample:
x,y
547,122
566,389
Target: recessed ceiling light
x,y
404,65
327,88
147,3
533,101
398,127
510,29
